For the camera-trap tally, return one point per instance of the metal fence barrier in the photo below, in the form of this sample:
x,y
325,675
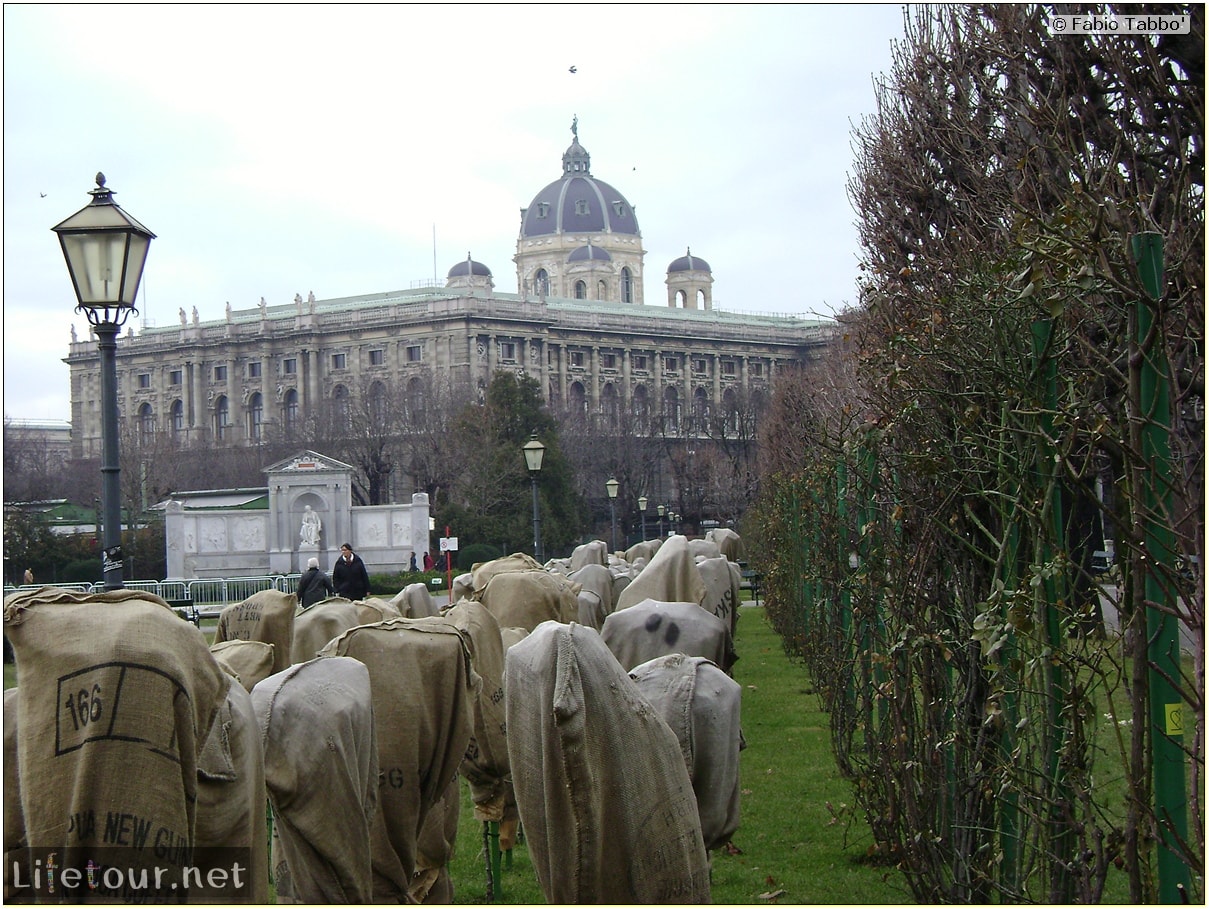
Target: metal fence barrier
x,y
196,599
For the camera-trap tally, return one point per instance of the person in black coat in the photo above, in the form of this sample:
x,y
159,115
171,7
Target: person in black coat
x,y
349,575
314,585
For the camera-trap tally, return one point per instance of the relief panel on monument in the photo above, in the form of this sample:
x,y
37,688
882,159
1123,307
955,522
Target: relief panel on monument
x,y
212,534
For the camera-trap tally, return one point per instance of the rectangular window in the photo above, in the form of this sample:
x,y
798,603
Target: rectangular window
x,y
608,361
338,361
577,358
254,370
728,367
289,366
377,357
508,351
756,369
639,361
144,380
699,364
414,353
174,377
671,364
220,373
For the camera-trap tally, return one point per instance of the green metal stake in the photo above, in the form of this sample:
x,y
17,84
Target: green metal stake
x,y
1166,705
1062,848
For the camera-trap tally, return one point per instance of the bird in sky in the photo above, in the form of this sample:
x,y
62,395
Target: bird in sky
x,y
571,70
43,195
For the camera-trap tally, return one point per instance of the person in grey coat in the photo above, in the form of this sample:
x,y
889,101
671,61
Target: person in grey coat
x,y
314,585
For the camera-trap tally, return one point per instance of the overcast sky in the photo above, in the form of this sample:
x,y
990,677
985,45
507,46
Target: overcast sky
x,y
279,150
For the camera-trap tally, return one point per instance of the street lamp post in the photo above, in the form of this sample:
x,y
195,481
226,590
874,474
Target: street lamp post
x,y
534,451
642,512
611,487
661,509
106,250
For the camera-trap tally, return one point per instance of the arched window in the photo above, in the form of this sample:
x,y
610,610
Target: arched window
x,y
581,290
290,411
377,403
255,416
602,290
671,410
340,411
222,418
627,286
642,409
577,401
730,407
700,410
541,283
415,400
146,425
681,300
178,418
610,405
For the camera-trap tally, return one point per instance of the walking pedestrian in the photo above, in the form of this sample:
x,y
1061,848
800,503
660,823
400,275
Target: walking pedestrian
x,y
349,575
314,585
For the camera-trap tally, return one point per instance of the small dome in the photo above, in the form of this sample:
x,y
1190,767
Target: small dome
x,y
469,267
589,253
688,262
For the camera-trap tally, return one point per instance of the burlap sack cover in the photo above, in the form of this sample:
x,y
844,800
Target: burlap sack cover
x,y
590,611
595,552
483,572
316,722
700,703
14,821
267,615
605,798
730,544
485,766
525,599
115,696
463,586
415,602
512,635
423,691
651,629
722,579
376,609
704,549
598,580
431,882
319,623
231,793
670,577
248,661
645,550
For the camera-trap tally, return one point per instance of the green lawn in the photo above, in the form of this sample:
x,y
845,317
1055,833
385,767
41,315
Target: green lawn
x,y
795,842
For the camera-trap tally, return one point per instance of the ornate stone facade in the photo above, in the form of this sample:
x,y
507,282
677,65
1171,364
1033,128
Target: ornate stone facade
x,y
577,325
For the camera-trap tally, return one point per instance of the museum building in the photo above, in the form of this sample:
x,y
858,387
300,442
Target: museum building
x,y
578,324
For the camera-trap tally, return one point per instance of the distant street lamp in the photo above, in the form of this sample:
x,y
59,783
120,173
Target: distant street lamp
x,y
642,512
661,509
611,487
106,250
534,451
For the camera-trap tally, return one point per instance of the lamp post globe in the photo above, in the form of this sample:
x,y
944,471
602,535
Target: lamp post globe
x,y
106,249
534,451
642,511
662,509
611,486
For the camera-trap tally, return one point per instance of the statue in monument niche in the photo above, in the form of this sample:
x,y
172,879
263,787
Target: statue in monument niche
x,y
311,525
